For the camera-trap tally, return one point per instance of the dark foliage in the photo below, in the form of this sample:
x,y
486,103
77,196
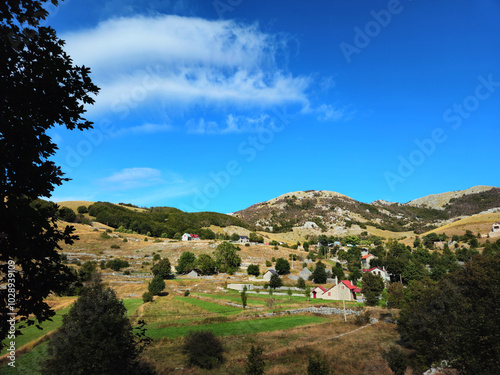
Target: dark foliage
x,y
96,337
160,221
203,349
318,366
40,88
255,364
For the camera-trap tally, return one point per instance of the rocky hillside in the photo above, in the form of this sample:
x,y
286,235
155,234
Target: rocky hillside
x,y
439,201
329,210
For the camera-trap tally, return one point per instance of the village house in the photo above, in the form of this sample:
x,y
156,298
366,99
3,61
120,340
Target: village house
x,y
305,273
269,273
380,272
244,239
343,290
495,230
190,237
366,259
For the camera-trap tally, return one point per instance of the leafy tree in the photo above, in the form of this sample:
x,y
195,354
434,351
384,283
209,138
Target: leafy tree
x,y
414,270
87,270
395,298
235,237
205,264
456,318
318,366
203,349
67,214
147,297
338,271
226,258
275,281
97,325
32,65
162,268
244,297
372,286
355,274
82,209
117,264
253,269
301,283
186,263
307,292
282,266
156,285
396,360
319,274
255,364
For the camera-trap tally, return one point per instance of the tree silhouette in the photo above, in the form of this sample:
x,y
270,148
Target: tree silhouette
x,y
40,88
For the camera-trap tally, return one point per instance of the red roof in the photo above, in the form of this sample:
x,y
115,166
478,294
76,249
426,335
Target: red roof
x,y
323,289
366,256
357,290
348,284
374,268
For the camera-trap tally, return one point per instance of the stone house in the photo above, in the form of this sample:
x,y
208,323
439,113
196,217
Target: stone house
x,y
495,230
269,273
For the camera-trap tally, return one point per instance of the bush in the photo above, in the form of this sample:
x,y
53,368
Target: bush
x,y
147,297
282,266
105,236
363,317
186,293
82,209
253,269
115,246
255,362
317,366
117,264
396,360
67,214
156,285
126,272
301,283
109,230
125,240
203,349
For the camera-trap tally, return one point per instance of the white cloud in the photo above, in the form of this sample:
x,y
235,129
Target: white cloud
x,y
232,124
144,129
132,178
328,112
195,61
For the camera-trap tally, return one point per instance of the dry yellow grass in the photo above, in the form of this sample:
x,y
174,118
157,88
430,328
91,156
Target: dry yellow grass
x,y
477,224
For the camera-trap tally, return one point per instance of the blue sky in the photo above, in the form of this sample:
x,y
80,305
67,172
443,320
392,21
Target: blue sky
x,y
217,105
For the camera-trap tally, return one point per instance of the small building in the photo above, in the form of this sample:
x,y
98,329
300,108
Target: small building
x,y
305,273
380,272
269,273
244,239
193,273
495,230
343,290
366,259
240,287
318,292
190,237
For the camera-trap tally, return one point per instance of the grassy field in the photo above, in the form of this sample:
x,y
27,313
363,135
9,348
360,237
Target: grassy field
x,y
237,328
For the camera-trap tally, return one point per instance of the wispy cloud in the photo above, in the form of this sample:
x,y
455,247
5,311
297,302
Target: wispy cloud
x,y
329,112
195,60
132,178
231,125
144,129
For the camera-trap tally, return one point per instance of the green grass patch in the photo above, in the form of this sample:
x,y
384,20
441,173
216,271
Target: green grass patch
x,y
28,363
33,333
210,306
132,304
237,328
